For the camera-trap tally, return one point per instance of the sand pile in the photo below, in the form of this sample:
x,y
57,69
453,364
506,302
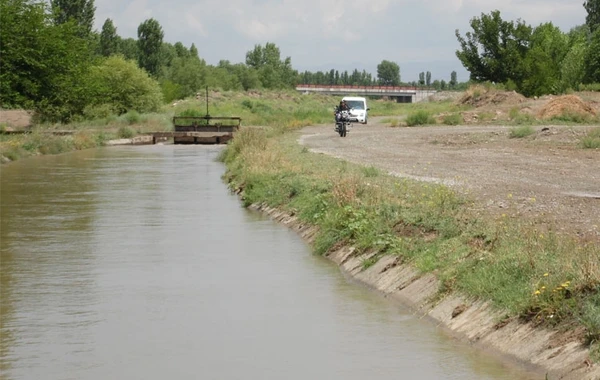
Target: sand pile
x,y
566,105
479,96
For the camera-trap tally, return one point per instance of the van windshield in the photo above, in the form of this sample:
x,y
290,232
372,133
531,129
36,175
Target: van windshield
x,y
356,104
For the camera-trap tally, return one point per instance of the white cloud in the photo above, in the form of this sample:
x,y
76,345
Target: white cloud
x,y
327,32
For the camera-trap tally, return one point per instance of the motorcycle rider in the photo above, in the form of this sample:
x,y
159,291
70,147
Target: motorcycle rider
x,y
342,107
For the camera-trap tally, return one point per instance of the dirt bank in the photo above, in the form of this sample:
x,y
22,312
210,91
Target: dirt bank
x,y
539,350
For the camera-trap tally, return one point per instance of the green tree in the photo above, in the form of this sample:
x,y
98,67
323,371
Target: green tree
x,y
150,41
128,47
185,76
272,71
542,66
141,93
181,51
422,78
388,73
82,12
453,81
194,52
42,63
109,40
443,85
428,78
592,71
593,14
504,46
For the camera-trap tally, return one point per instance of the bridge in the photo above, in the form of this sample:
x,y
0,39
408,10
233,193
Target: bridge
x,y
402,94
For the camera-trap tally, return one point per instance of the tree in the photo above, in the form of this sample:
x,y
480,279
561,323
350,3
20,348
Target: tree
x,y
592,71
150,41
388,73
181,51
593,14
42,63
80,11
428,78
453,80
272,71
504,46
194,52
129,48
542,65
141,93
443,85
421,78
109,40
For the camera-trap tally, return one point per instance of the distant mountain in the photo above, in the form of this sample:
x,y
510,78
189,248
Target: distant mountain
x,y
409,71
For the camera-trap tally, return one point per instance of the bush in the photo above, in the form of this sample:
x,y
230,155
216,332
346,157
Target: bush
x,y
126,132
101,111
124,86
133,117
591,140
420,117
520,132
453,119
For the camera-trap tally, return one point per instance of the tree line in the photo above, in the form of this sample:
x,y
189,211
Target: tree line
x,y
53,61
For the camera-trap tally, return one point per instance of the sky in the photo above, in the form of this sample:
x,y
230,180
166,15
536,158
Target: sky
x,y
419,35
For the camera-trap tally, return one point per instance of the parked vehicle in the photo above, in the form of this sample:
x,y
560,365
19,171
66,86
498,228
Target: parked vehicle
x,y
359,108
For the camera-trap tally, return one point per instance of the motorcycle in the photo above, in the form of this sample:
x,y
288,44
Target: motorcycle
x,y
342,122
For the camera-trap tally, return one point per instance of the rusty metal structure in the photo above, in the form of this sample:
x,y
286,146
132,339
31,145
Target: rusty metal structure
x,y
201,129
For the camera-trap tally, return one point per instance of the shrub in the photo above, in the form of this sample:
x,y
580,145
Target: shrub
x,y
520,132
124,86
591,140
133,117
452,119
572,117
126,132
420,117
100,111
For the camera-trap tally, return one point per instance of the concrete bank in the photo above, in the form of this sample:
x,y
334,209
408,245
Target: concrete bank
x,y
554,353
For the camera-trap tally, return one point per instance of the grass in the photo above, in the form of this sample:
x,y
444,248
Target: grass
x,y
392,122
542,277
420,117
592,139
521,132
452,119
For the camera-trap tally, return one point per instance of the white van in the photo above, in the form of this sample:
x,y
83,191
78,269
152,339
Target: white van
x,y
358,107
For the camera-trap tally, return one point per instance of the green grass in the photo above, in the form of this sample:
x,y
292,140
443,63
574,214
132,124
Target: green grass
x,y
591,140
506,261
521,132
452,119
420,117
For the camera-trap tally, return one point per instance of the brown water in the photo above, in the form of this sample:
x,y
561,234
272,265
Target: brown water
x,y
137,263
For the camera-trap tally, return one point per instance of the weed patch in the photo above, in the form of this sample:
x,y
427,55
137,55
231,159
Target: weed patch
x,y
520,132
420,117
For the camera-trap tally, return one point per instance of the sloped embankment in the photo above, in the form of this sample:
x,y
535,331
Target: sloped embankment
x,y
548,352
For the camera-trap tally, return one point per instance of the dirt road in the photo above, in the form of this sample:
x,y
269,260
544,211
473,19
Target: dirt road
x,y
544,177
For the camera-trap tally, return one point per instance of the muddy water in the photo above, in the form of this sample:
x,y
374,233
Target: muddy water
x,y
136,263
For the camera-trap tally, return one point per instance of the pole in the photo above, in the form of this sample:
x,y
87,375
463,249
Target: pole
x,y
207,102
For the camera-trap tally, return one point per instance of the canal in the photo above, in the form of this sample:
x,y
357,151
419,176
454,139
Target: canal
x,y
137,263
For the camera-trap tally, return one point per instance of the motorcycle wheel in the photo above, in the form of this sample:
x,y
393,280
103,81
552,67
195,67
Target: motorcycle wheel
x,y
343,130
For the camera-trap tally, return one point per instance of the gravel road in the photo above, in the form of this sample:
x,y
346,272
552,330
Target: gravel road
x,y
544,177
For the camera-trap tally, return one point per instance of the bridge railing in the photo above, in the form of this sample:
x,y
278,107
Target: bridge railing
x,y
363,89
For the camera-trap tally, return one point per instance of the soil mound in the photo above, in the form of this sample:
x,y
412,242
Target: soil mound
x,y
566,105
479,96
17,119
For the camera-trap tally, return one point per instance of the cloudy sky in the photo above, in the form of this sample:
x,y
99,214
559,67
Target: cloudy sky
x,y
325,34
